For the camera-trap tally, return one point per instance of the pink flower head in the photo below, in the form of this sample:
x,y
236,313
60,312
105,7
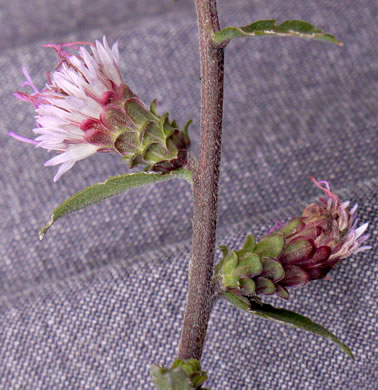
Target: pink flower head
x,y
72,108
344,221
305,248
322,237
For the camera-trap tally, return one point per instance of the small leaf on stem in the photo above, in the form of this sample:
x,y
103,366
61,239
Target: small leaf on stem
x,y
111,187
289,28
170,379
183,375
284,316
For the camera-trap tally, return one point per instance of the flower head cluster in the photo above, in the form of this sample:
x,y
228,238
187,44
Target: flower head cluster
x,y
86,107
304,249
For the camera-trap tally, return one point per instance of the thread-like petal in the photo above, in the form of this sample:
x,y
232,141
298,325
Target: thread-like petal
x,y
74,94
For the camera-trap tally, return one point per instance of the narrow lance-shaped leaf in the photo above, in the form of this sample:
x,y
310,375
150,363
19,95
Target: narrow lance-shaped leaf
x,y
289,28
284,316
111,187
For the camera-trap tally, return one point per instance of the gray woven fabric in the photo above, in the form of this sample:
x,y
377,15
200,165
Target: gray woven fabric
x,y
102,297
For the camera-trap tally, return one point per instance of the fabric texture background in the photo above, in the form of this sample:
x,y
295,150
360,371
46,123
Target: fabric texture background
x,y
102,297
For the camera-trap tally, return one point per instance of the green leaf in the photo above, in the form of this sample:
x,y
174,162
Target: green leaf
x,y
289,28
240,302
112,186
284,316
170,378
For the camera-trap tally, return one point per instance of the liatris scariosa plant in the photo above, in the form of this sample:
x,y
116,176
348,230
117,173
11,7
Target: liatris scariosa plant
x,y
86,107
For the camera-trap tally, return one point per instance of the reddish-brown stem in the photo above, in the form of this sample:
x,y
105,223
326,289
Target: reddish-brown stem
x,y
201,293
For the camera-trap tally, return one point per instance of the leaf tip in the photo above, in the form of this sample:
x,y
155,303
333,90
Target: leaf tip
x,y
348,351
46,227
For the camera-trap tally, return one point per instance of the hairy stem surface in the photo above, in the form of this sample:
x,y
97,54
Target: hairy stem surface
x,y
201,295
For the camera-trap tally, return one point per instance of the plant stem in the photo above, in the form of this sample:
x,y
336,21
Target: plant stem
x,y
201,295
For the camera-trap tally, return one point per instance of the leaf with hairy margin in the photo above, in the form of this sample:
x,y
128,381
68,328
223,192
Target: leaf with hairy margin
x,y
284,316
289,28
112,186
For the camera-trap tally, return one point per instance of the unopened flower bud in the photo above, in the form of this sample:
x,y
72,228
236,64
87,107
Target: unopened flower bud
x,y
86,107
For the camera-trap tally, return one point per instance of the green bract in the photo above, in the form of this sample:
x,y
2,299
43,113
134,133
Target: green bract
x,y
183,375
252,270
149,139
284,316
